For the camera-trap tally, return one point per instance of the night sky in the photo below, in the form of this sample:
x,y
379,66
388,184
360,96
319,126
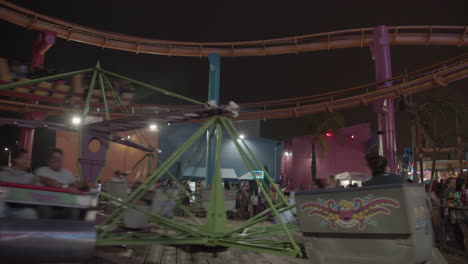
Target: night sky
x,y
247,79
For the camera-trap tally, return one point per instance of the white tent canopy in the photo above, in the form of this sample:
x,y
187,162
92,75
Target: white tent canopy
x,y
352,176
201,173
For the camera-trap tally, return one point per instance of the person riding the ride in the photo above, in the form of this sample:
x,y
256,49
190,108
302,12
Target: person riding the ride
x,y
18,173
377,164
54,175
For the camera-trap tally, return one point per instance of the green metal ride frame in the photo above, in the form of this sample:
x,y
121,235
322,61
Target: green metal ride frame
x,y
215,230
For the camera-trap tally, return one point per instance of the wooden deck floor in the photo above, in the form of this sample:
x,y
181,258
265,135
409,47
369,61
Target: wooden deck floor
x,y
159,254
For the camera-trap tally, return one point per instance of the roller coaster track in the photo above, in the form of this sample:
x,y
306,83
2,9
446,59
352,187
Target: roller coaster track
x,y
397,79
351,38
434,76
441,74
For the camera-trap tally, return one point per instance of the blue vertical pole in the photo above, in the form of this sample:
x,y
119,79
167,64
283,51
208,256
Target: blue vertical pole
x,y
213,94
215,70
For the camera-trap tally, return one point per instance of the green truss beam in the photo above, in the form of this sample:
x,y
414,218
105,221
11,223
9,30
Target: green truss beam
x,y
152,87
44,79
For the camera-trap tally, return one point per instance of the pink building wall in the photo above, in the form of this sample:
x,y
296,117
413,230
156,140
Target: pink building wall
x,y
344,154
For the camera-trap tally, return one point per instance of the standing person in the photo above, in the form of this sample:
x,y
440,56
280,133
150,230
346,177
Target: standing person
x,y
320,183
451,197
272,193
198,191
377,164
338,184
254,203
464,193
456,217
439,188
262,204
238,198
287,188
243,203
188,193
227,186
331,183
18,173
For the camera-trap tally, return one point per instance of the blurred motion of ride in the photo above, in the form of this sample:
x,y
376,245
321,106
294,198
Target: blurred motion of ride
x,y
46,240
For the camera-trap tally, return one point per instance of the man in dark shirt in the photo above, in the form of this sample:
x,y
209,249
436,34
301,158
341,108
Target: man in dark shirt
x,y
377,165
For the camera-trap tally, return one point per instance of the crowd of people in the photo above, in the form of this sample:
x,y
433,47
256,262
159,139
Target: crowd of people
x,y
377,165
250,201
450,211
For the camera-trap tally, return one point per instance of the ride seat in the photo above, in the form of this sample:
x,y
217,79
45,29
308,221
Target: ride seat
x,y
23,89
77,88
126,97
43,88
375,224
61,91
165,201
5,74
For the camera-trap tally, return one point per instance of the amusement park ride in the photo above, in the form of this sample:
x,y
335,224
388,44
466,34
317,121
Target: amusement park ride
x,y
321,220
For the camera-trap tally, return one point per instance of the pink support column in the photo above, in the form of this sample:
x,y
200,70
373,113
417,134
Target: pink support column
x,y
43,41
26,138
384,108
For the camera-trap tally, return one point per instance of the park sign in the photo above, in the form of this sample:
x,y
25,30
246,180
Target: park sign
x,y
258,174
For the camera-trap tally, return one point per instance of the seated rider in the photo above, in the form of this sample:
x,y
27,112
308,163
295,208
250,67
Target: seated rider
x,y
119,177
18,173
377,164
54,175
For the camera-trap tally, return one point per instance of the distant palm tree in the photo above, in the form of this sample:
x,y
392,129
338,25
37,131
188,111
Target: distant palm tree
x,y
320,125
425,116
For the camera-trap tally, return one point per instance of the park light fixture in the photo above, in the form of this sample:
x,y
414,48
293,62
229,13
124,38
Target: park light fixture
x,y
6,149
241,136
76,120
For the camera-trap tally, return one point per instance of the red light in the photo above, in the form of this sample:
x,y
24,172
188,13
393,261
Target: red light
x,y
353,136
328,134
